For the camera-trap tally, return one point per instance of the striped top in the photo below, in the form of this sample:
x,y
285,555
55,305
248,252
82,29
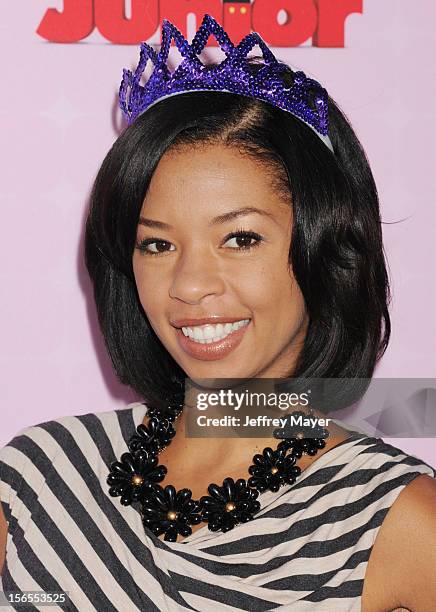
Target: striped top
x,y
306,549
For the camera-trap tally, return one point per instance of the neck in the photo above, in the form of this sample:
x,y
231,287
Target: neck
x,y
233,454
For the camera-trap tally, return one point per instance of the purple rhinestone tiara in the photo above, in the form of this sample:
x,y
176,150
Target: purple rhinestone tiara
x,y
305,98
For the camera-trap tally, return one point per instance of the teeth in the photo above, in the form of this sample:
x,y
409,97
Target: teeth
x,y
205,334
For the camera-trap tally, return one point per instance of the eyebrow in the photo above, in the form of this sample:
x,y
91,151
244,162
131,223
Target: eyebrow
x,y
220,219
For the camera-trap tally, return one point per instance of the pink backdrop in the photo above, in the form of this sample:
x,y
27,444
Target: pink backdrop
x,y
58,119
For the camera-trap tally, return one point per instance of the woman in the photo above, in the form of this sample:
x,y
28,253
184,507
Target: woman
x,y
229,236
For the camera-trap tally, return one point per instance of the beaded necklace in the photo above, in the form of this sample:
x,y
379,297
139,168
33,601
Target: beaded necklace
x,y
135,478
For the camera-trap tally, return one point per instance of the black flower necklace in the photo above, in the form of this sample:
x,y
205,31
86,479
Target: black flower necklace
x,y
136,476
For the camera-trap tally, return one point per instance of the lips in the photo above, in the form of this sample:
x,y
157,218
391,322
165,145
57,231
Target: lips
x,y
214,350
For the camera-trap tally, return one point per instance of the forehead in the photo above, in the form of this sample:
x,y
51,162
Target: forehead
x,y
211,175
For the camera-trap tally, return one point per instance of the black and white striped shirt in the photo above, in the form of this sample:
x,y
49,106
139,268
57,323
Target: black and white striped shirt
x,y
306,549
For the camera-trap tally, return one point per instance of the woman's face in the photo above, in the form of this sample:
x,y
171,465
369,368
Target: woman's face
x,y
189,267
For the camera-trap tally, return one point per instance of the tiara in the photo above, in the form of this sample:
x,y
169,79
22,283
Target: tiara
x,y
291,91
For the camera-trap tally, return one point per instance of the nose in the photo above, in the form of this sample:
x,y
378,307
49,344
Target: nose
x,y
196,275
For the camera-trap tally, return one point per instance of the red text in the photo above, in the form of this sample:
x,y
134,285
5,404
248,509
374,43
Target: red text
x,y
281,23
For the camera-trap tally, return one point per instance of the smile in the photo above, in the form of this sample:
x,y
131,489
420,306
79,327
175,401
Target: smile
x,y
211,342
206,334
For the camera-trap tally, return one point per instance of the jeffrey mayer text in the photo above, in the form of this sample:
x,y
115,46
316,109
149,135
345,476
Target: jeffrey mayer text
x,y
262,421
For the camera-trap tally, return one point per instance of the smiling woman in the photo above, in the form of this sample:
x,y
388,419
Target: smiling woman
x,y
230,235
209,270
196,156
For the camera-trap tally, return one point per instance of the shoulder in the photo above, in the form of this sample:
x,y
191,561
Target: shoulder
x,y
45,450
410,531
401,570
45,438
96,425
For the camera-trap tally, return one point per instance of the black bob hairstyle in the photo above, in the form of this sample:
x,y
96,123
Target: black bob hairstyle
x,y
336,249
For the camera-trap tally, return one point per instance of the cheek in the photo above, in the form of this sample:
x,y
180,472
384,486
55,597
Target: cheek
x,y
277,297
273,286
149,292
292,298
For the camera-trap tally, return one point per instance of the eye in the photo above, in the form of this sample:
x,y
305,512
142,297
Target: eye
x,y
159,246
244,237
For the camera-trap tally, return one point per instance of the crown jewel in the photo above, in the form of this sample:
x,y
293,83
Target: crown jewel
x,y
291,91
